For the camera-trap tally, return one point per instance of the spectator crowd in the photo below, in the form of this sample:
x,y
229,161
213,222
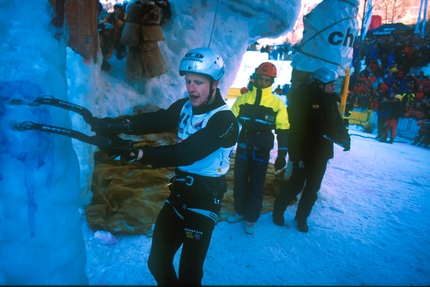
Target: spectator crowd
x,y
393,69
393,66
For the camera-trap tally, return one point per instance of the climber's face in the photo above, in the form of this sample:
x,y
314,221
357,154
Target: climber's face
x,y
198,88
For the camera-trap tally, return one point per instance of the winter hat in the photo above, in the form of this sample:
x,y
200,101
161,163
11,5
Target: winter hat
x,y
119,5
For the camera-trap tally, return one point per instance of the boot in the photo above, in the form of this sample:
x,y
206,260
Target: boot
x,y
278,218
105,65
302,225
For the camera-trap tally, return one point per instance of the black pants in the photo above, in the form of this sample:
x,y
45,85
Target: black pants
x,y
120,49
310,178
250,168
184,221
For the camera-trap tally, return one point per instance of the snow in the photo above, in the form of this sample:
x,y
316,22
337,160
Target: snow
x,y
369,226
251,60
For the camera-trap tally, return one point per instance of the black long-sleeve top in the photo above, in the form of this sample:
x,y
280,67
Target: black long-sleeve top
x,y
221,131
313,113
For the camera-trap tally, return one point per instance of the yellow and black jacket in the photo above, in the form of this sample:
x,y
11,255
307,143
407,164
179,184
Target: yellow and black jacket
x,y
259,112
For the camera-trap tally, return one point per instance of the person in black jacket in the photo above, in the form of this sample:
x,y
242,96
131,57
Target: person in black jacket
x,y
207,134
382,112
396,111
315,123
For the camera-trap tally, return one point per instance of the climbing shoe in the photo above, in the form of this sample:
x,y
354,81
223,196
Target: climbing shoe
x,y
234,217
248,227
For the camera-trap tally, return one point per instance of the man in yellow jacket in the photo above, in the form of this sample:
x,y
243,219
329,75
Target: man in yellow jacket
x,y
259,112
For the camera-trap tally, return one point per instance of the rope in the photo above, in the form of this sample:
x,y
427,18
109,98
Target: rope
x,y
213,25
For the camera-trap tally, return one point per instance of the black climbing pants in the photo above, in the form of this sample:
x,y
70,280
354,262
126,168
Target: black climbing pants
x,y
307,179
187,219
250,168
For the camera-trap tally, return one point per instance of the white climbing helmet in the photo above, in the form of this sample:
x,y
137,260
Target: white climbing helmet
x,y
203,61
325,75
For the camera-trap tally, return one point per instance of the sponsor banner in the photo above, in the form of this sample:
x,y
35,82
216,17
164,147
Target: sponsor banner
x,y
391,29
367,19
330,31
376,22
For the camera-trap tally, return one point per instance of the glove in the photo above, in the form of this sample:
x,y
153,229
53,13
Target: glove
x,y
110,126
127,155
134,155
280,161
346,145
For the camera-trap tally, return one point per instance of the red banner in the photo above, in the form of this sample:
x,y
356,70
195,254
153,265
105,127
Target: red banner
x,y
375,22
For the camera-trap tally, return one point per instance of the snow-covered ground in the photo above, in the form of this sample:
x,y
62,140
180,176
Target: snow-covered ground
x,y
370,226
380,217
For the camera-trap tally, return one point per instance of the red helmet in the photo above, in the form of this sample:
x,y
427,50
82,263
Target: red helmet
x,y
267,69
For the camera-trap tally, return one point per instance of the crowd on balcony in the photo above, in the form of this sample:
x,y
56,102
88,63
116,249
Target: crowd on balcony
x,y
394,66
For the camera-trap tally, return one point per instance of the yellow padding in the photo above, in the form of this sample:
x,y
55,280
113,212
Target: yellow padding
x,y
233,93
360,118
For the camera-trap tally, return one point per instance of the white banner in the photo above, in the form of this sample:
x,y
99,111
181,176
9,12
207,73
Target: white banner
x,y
330,31
367,19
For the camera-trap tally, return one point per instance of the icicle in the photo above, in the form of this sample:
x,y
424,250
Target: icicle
x,y
31,205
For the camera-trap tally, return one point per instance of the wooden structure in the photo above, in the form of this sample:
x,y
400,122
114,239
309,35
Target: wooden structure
x,y
80,20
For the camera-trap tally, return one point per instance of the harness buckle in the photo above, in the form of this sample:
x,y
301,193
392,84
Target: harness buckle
x,y
188,180
191,180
